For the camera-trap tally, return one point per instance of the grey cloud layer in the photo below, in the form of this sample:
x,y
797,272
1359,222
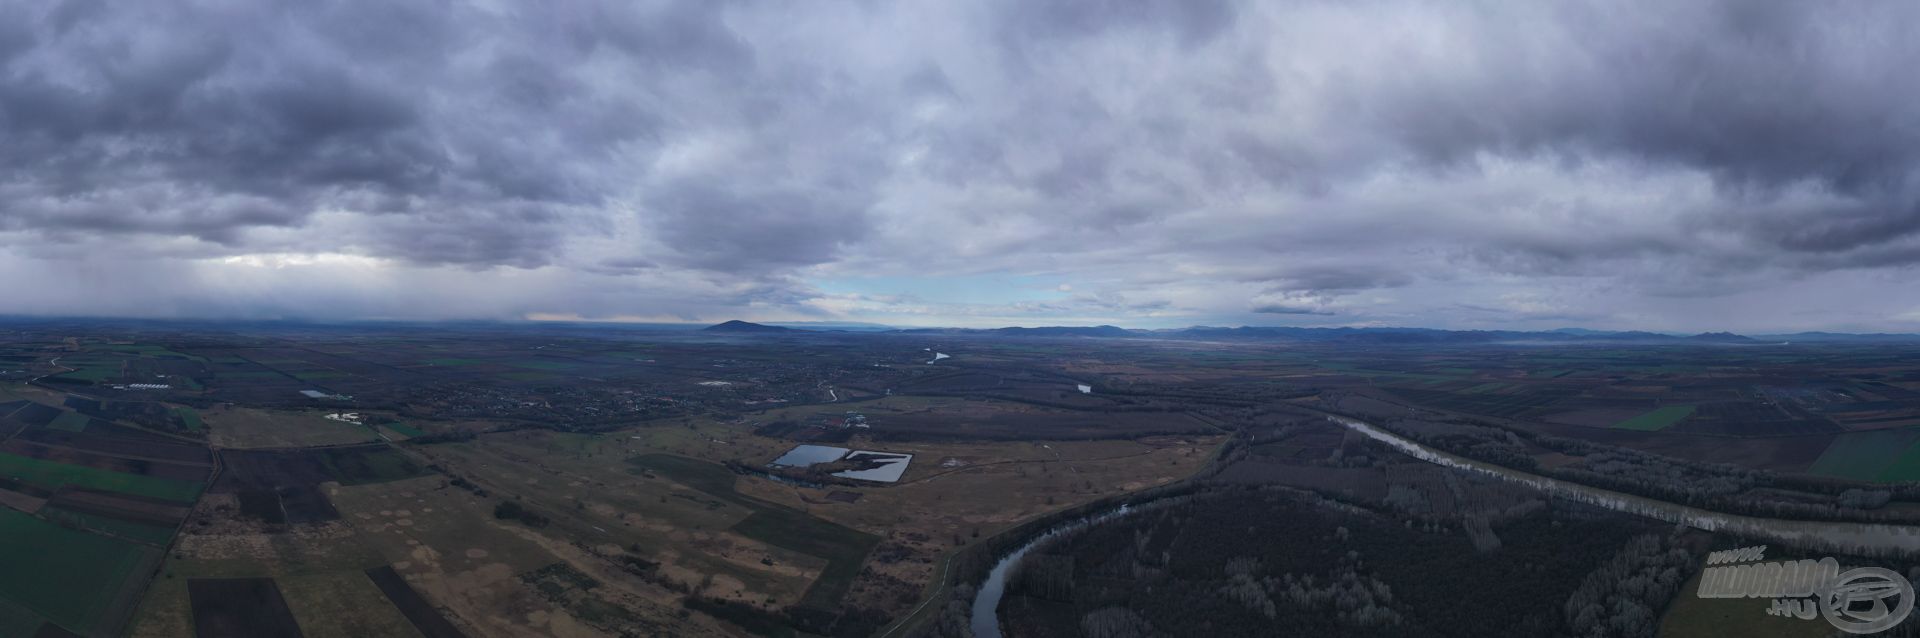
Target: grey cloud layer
x,y
1309,161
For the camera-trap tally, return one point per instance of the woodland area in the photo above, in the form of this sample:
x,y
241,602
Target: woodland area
x,y
1243,561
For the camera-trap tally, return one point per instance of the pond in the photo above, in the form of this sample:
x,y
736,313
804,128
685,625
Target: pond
x,y
894,465
805,455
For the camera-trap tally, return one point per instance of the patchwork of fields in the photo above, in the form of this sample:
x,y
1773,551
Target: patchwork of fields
x,y
88,514
561,481
1658,419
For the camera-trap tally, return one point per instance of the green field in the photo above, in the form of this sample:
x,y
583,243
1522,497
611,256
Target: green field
x,y
454,362
1656,420
251,374
360,465
70,421
93,372
189,418
1905,468
843,548
147,350
404,429
1867,456
53,475
18,621
543,364
130,530
68,576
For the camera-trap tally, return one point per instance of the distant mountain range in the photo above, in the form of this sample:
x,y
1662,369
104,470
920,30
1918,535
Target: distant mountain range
x,y
1361,335
1373,335
745,326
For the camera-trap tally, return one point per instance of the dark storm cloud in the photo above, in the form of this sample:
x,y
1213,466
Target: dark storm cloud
x,y
1768,99
759,230
209,120
1217,159
1761,94
1049,21
1335,277
1284,309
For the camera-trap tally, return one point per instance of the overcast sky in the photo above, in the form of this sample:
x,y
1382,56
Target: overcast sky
x,y
1752,166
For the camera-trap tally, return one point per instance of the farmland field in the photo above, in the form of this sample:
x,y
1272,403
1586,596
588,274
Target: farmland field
x,y
69,421
72,578
429,622
54,475
340,603
156,535
239,608
1657,419
573,481
189,418
843,548
402,429
1904,468
1863,456
251,428
18,621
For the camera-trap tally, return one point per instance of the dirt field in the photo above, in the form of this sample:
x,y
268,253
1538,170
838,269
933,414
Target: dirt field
x,y
236,427
595,495
240,608
958,492
1691,615
593,489
448,546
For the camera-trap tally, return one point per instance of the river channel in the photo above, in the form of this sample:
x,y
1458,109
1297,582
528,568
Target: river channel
x,y
1815,535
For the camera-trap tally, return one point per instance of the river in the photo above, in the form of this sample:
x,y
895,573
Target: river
x,y
986,602
1820,535
1817,535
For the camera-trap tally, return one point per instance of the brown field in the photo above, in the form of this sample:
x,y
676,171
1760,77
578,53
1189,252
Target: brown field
x,y
1597,418
953,493
443,541
898,418
23,502
1691,615
936,509
218,545
593,497
450,548
236,427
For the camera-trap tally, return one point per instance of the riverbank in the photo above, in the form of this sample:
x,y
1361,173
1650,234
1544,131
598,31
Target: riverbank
x,y
1877,539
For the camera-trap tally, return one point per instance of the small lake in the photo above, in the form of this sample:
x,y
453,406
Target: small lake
x,y
938,356
1085,389
805,455
895,466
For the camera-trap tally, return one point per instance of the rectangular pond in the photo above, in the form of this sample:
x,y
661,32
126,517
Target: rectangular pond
x,y
805,455
892,466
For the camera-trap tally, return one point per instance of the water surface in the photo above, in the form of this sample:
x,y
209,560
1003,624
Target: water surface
x,y
895,465
805,455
